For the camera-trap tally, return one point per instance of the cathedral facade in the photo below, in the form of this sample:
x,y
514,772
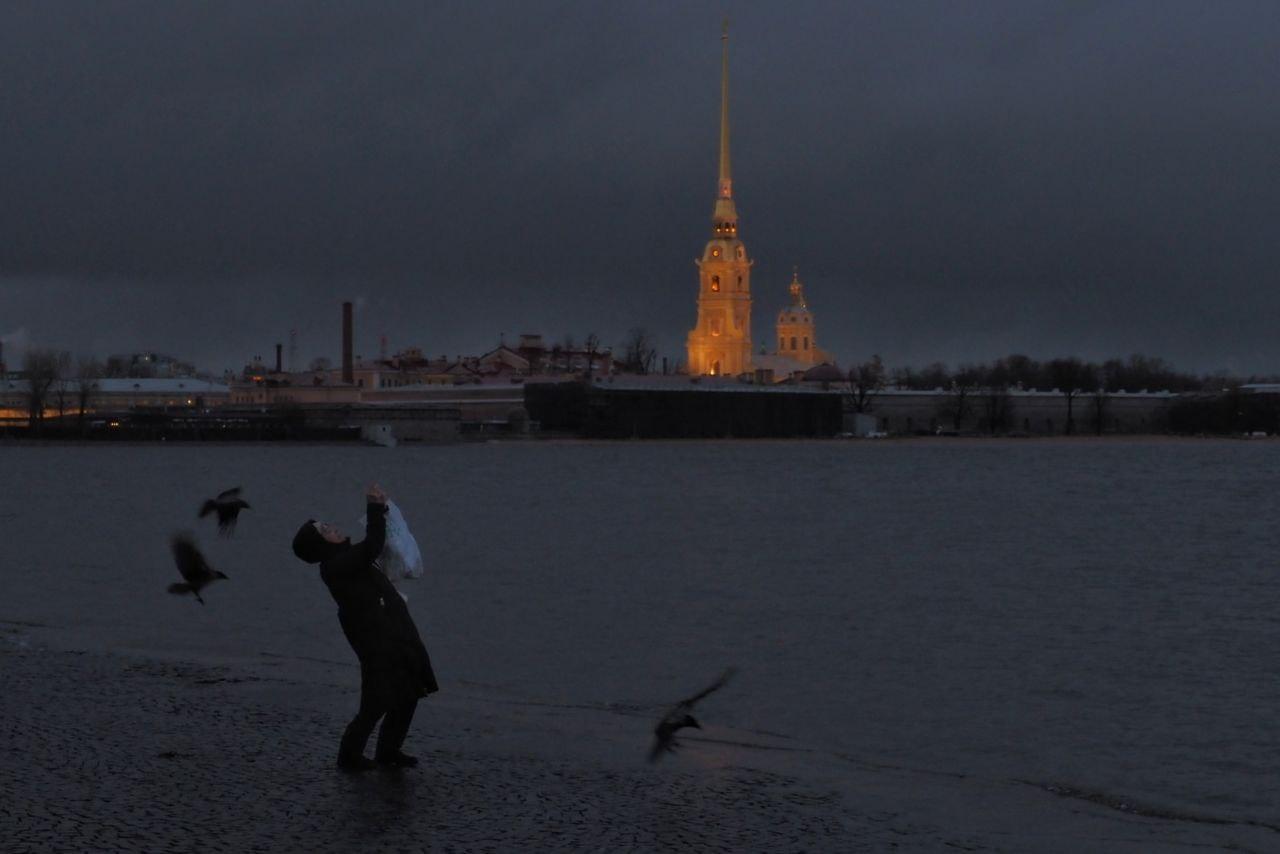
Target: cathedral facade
x,y
720,344
796,331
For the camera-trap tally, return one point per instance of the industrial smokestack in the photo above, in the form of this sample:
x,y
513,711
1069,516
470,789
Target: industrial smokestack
x,y
279,351
348,371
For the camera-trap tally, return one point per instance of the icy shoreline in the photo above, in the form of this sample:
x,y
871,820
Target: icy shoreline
x,y
131,752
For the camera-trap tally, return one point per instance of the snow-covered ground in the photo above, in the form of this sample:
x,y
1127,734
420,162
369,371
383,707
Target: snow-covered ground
x,y
931,624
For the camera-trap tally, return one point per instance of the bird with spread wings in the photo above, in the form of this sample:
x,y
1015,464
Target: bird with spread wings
x,y
227,505
195,570
680,716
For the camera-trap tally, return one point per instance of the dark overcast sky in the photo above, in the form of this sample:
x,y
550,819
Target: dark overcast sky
x,y
955,180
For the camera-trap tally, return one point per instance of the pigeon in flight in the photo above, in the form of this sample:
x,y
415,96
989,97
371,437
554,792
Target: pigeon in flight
x,y
679,716
196,572
228,506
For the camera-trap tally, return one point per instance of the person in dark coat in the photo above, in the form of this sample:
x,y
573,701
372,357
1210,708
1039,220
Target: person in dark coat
x,y
395,670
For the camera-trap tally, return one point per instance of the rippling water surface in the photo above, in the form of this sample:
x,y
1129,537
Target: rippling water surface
x,y
1100,614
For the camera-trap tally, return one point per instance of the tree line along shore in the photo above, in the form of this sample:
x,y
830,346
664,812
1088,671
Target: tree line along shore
x,y
54,398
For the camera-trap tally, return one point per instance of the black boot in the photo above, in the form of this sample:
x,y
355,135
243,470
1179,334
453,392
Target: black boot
x,y
398,760
354,738
355,762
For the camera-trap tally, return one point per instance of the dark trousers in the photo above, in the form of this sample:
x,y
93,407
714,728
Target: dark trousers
x,y
374,705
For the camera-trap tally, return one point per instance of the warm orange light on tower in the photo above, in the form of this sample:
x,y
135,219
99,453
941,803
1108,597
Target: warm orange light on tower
x,y
720,343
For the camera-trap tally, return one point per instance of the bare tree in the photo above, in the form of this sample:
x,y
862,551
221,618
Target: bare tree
x,y
41,369
1070,377
997,408
865,381
934,376
62,385
88,371
1022,371
591,345
116,366
958,404
904,377
639,354
1099,400
567,346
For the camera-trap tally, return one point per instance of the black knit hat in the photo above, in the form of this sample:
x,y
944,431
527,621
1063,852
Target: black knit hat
x,y
308,545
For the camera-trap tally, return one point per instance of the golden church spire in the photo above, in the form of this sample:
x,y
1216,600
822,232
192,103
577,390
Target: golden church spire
x,y
720,343
724,218
726,179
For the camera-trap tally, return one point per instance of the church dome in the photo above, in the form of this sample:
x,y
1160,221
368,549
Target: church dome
x,y
793,315
798,311
796,330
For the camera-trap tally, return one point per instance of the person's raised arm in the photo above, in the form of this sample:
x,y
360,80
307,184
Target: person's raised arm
x,y
376,522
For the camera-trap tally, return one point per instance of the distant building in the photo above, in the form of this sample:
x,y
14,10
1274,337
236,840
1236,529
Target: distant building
x,y
797,332
483,391
147,364
1016,411
720,343
797,350
533,351
113,395
532,358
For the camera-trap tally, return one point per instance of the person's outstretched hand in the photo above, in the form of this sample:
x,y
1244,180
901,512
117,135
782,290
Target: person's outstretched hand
x,y
375,494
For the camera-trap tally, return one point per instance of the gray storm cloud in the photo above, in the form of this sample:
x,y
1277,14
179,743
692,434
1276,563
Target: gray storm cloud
x,y
955,181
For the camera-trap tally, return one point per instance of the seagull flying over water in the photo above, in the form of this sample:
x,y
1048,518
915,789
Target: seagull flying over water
x,y
227,505
196,572
679,716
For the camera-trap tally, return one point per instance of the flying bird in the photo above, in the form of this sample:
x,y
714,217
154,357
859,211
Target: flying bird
x,y
679,716
196,572
227,505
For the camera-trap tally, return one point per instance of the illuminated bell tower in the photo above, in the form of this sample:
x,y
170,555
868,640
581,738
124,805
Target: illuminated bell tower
x,y
797,333
721,342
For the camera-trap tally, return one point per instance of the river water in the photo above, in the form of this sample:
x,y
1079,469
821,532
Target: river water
x,y
1099,614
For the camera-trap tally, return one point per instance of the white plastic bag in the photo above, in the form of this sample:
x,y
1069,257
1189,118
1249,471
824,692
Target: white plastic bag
x,y
400,556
